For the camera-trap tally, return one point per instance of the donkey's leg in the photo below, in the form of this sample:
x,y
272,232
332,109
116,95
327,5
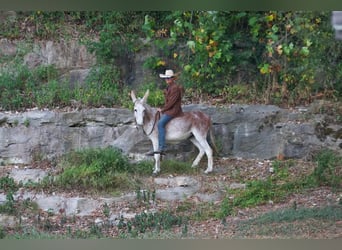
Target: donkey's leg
x,y
200,154
209,152
157,157
156,164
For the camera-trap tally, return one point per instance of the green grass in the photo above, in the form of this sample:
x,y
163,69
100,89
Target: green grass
x,y
177,167
280,185
333,213
104,169
292,223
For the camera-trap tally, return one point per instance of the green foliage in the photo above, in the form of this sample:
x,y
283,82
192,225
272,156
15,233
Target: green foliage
x,y
7,184
40,88
280,184
225,210
177,167
143,167
278,51
101,169
11,206
279,57
333,213
95,168
102,87
259,192
149,222
236,93
328,170
9,187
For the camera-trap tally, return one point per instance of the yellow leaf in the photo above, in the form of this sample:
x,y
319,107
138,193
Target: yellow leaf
x,y
270,17
280,49
161,63
175,55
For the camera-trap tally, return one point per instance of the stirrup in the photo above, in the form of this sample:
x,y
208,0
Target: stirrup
x,y
152,153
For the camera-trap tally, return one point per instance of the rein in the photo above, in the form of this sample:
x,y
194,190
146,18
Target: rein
x,y
156,118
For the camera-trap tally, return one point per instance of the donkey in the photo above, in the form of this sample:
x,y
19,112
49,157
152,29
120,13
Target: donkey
x,y
193,125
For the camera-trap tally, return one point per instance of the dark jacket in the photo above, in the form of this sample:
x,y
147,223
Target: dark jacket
x,y
173,100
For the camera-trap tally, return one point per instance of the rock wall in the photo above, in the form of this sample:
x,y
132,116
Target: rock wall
x,y
74,62
248,131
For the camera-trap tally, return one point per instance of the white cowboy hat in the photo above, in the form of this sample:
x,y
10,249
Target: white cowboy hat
x,y
168,74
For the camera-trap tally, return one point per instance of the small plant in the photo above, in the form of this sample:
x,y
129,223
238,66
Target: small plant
x,y
26,122
9,187
146,196
7,184
145,222
106,210
2,233
328,170
15,122
226,208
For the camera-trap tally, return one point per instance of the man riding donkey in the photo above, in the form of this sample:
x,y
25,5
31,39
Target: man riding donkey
x,y
174,125
171,109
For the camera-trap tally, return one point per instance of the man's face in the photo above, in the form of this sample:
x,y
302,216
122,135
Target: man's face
x,y
168,80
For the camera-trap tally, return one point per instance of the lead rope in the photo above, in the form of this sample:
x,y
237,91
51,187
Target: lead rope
x,y
156,118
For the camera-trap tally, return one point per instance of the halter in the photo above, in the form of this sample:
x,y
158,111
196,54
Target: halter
x,y
156,117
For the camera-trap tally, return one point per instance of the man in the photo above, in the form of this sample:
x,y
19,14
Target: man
x,y
171,109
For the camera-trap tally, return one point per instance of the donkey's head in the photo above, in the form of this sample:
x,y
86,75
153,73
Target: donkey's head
x,y
139,107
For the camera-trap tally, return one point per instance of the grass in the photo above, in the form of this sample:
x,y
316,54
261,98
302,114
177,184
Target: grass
x,y
293,223
280,185
100,169
333,213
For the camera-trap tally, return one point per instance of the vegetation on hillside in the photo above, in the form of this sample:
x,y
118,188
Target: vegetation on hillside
x,y
273,57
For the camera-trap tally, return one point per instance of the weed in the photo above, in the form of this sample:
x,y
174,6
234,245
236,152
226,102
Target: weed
x,y
106,210
258,192
146,196
99,169
333,213
158,221
2,233
177,167
26,122
328,170
8,184
226,208
15,122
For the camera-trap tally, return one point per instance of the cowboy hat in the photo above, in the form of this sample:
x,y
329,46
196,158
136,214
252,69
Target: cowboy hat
x,y
168,74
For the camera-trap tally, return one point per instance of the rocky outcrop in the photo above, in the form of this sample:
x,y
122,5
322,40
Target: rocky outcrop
x,y
246,131
74,62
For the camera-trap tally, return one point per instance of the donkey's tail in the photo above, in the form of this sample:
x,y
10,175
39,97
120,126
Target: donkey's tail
x,y
212,139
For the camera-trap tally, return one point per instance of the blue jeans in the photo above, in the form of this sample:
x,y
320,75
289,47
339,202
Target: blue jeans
x,y
164,119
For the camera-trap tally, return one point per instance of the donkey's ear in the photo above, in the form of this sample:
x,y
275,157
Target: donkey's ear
x,y
146,95
134,98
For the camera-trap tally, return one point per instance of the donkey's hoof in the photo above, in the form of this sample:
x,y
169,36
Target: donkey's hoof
x,y
154,174
208,171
